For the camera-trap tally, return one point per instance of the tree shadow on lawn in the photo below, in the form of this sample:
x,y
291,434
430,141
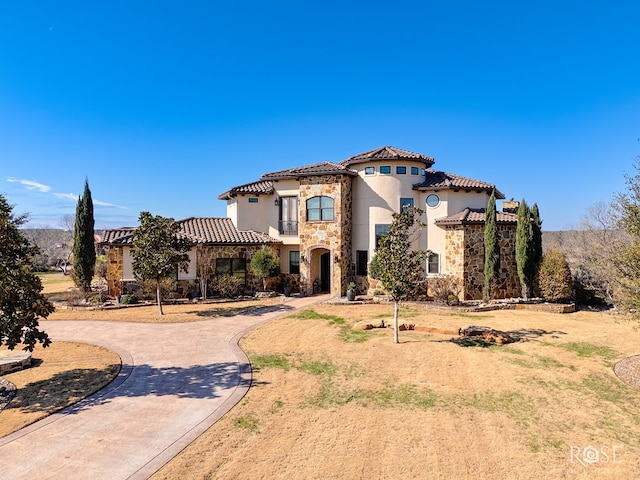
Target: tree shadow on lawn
x,y
521,335
250,310
196,381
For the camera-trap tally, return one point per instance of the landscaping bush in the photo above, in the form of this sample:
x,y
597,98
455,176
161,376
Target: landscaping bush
x,y
98,298
554,277
128,299
75,296
444,289
227,286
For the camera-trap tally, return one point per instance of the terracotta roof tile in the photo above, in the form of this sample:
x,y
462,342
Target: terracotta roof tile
x,y
477,216
388,153
253,188
322,168
436,180
211,231
118,236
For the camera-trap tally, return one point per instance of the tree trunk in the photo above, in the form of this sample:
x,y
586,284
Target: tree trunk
x,y
396,307
159,299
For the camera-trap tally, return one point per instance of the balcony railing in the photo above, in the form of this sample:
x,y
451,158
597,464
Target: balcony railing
x,y
288,227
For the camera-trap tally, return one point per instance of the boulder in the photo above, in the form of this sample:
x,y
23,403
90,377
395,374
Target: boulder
x,y
487,334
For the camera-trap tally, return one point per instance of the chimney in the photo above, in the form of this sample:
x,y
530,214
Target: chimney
x,y
510,206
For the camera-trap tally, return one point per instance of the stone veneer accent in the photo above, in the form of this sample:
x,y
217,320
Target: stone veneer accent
x,y
114,270
334,236
465,260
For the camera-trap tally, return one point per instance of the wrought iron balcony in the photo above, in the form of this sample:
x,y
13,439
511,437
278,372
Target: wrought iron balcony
x,y
288,227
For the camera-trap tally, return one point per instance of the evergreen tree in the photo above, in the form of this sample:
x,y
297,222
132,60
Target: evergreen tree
x,y
264,264
84,251
21,300
159,251
524,250
397,267
491,250
537,235
555,280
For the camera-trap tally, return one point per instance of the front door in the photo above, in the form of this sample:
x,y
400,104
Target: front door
x,y
325,272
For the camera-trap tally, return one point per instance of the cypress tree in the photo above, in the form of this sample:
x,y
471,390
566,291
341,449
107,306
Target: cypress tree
x,y
524,249
537,235
84,252
491,249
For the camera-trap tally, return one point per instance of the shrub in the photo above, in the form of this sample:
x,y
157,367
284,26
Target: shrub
x,y
98,298
227,286
128,299
444,289
75,296
554,276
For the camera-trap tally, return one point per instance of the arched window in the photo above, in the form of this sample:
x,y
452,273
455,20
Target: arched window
x,y
319,209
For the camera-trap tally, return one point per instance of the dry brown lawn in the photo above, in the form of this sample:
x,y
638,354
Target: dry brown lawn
x,y
60,375
329,402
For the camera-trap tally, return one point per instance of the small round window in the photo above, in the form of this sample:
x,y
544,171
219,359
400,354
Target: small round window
x,y
433,200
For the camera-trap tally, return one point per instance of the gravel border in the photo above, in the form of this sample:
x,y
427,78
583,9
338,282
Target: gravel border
x,y
628,370
7,392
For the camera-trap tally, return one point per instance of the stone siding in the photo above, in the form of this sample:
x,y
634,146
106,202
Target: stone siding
x,y
318,237
465,260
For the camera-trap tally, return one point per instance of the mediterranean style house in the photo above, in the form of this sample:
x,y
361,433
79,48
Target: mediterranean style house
x,y
324,221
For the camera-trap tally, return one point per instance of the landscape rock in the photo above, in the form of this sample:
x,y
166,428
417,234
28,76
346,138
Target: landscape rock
x,y
487,334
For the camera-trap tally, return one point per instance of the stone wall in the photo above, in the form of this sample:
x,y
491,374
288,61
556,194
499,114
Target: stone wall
x,y
321,236
465,260
114,270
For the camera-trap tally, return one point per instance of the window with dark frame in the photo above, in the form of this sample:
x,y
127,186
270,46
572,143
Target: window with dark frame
x,y
415,171
294,262
385,169
320,209
381,229
433,265
401,170
234,267
369,170
405,203
362,259
288,216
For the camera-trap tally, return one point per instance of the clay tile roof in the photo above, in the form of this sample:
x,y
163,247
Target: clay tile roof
x,y
210,231
253,188
322,168
435,180
477,216
118,236
221,231
388,153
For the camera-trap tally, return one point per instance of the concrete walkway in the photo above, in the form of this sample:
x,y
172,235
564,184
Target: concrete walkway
x,y
176,381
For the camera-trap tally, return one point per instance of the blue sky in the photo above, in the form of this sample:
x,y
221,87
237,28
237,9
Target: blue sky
x,y
165,105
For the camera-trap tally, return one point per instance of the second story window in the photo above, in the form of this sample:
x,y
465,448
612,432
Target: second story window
x,y
319,209
288,216
405,203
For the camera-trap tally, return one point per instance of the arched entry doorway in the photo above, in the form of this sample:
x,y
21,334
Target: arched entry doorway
x,y
320,270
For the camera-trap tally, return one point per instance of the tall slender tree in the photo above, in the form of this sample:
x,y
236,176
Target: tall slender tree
x,y
491,250
21,300
524,249
536,226
84,250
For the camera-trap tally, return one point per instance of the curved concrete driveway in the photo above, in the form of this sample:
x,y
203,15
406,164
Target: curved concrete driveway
x,y
176,381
